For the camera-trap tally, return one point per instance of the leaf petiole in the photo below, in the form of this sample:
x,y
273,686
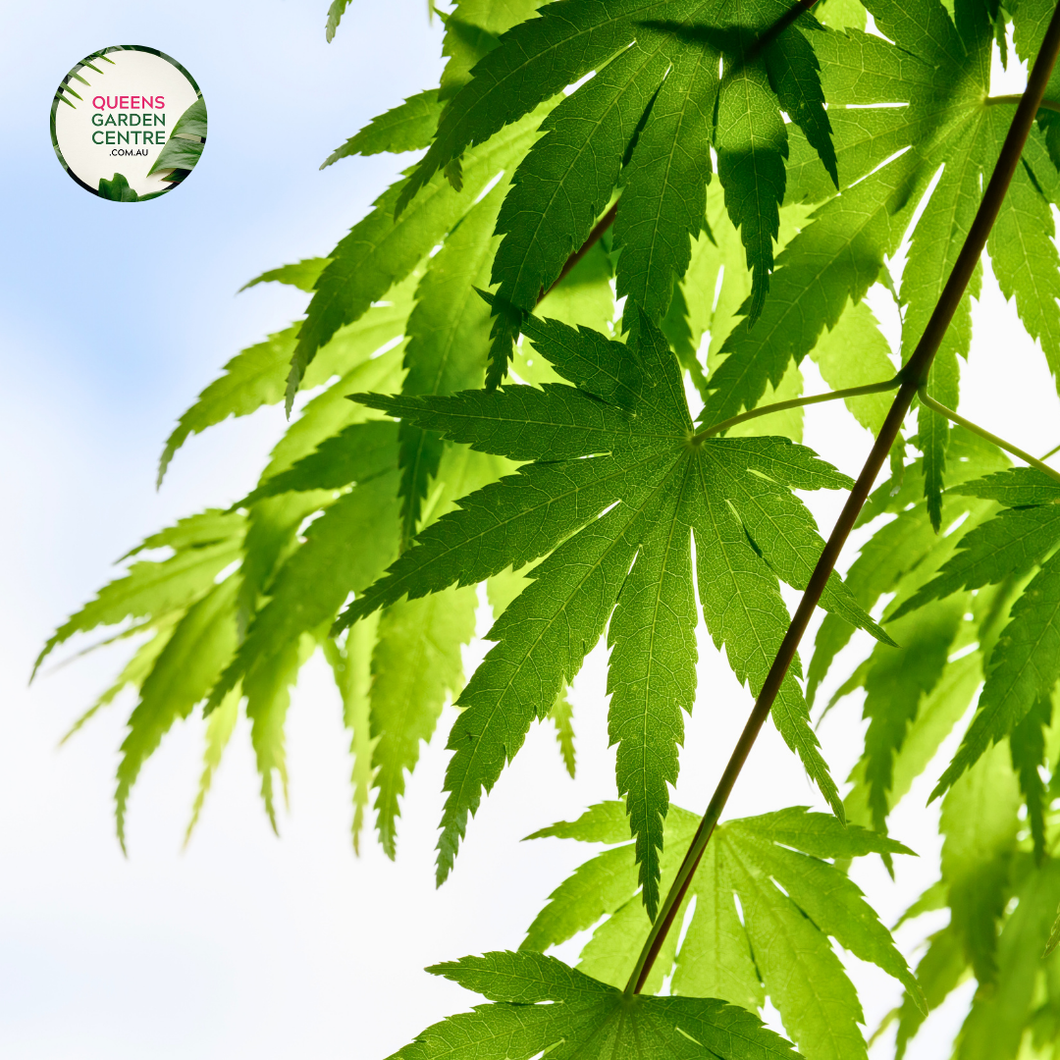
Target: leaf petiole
x,y
942,410
1046,104
794,403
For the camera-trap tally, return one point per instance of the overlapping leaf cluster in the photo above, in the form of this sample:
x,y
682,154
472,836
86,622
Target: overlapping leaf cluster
x,y
666,80
1002,901
283,553
545,444
389,311
245,596
618,487
756,923
974,612
901,116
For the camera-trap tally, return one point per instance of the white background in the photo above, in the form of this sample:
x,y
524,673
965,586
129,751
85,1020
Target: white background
x,y
245,945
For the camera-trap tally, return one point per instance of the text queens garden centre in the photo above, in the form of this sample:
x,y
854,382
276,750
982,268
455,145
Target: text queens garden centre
x,y
128,123
129,120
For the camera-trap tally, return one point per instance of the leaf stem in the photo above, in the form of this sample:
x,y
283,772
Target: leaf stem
x,y
942,410
1046,104
913,375
794,403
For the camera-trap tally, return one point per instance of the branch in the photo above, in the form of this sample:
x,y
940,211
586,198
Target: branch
x,y
942,410
602,226
913,375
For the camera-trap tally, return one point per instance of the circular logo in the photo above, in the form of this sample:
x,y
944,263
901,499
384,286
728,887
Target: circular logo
x,y
128,123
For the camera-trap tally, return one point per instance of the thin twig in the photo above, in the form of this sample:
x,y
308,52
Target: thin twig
x,y
913,376
794,403
1046,104
957,418
601,227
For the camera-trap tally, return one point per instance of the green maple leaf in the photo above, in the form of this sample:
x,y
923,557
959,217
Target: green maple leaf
x,y
1000,1019
1002,903
219,728
335,13
362,356
323,451
416,666
1029,23
905,553
202,546
645,119
939,972
350,664
777,945
407,127
840,253
380,251
136,669
303,596
709,297
257,376
937,713
301,274
980,825
192,619
1027,743
1019,676
997,571
980,864
185,670
561,716
618,476
472,29
416,663
895,683
389,708
448,333
937,82
1009,546
541,1006
915,694
196,621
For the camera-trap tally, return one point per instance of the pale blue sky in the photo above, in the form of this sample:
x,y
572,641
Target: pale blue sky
x,y
114,316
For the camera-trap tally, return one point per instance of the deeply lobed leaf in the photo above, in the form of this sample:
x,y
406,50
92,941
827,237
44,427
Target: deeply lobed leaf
x,y
542,1006
790,902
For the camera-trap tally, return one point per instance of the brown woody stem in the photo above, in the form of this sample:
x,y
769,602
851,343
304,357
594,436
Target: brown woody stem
x,y
913,376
